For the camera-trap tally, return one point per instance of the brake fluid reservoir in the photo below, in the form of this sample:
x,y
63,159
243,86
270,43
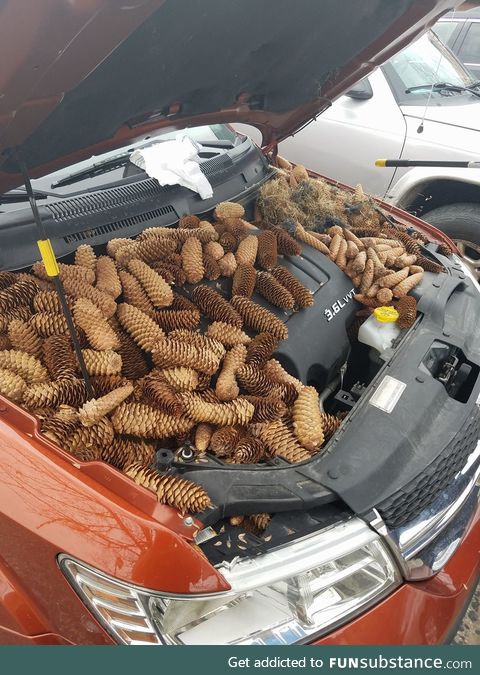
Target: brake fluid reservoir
x,y
380,329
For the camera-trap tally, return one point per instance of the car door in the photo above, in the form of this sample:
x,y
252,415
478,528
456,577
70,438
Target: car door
x,y
344,142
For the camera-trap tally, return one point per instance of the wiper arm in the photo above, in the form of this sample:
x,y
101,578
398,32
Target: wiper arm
x,y
96,169
20,195
445,86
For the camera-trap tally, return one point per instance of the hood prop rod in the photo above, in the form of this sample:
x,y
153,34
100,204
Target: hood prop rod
x,y
51,267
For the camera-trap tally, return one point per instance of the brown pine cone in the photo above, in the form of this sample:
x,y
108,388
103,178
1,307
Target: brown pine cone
x,y
123,452
59,429
138,419
192,260
134,294
267,408
85,257
258,318
254,380
106,362
198,340
155,286
180,379
249,450
47,301
7,279
407,310
429,265
405,286
330,424
368,302
96,408
104,302
158,393
228,265
224,440
444,249
286,245
394,278
308,238
182,302
180,493
104,384
190,222
21,293
226,387
214,249
108,280
203,434
71,273
90,319
22,313
258,522
139,326
228,210
228,335
244,280
273,291
88,443
114,244
239,411
214,306
70,392
45,324
134,365
173,319
23,364
228,242
260,349
301,294
267,255
173,274
5,342
59,357
307,419
12,385
246,253
280,441
169,352
24,337
211,267
154,248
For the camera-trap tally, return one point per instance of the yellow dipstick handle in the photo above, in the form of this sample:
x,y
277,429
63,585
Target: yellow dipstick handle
x,y
380,162
48,257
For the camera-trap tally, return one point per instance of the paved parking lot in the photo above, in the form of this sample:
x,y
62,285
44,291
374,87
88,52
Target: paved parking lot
x,y
469,633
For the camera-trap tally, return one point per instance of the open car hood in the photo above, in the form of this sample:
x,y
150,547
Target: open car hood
x,y
86,76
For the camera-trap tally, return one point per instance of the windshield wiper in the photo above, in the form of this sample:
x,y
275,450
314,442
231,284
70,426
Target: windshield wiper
x,y
445,86
96,169
20,195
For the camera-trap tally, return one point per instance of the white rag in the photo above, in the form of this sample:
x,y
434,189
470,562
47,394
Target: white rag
x,y
172,163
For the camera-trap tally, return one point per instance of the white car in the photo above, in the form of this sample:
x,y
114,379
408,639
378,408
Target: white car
x,y
396,113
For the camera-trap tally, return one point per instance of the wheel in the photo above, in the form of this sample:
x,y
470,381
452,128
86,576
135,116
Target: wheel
x,y
462,224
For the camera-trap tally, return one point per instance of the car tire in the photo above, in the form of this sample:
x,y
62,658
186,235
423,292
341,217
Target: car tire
x,y
462,224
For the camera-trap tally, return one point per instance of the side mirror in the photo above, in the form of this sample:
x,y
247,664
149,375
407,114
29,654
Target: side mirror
x,y
361,91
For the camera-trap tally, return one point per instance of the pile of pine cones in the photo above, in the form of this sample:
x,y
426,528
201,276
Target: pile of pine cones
x,y
155,376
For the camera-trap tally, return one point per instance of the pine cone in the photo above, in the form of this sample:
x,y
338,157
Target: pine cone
x,y
7,279
247,250
273,291
394,278
106,362
239,411
21,293
180,493
12,385
70,392
267,256
134,365
23,364
301,294
260,349
228,242
259,521
226,388
224,440
254,380
5,342
228,210
104,384
104,302
158,393
59,429
404,287
140,326
190,222
330,424
155,286
138,419
46,325
85,257
310,239
93,411
90,319
214,249
173,274
214,306
228,335
22,313
280,441
154,248
173,319
173,353
244,280
182,302
249,450
123,452
59,357
198,340
211,267
307,419
88,443
444,249
203,434
267,408
429,265
192,260
258,318
108,280
24,337
286,245
134,294
407,310
181,379
47,301
228,265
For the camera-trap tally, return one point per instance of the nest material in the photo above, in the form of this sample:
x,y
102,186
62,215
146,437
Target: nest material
x,y
215,307
259,318
244,280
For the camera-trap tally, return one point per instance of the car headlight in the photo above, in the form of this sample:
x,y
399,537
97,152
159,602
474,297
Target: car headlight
x,y
288,595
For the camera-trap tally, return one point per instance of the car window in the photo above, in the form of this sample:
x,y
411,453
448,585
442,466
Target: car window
x,y
470,49
444,30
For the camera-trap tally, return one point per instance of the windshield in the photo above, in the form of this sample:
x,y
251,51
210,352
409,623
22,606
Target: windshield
x,y
425,62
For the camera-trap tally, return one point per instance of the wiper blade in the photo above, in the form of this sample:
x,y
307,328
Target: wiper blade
x,y
445,86
96,169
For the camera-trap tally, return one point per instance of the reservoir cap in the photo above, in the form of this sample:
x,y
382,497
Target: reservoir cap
x,y
386,314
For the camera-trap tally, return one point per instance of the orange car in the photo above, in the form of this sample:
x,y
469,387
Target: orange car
x,y
372,540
